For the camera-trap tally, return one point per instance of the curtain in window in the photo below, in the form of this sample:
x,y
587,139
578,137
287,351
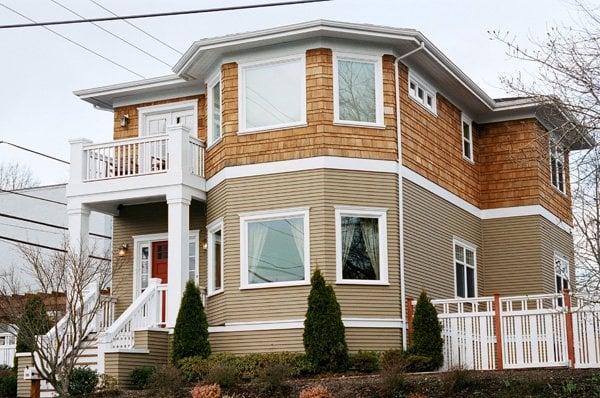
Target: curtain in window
x,y
256,242
348,228
370,232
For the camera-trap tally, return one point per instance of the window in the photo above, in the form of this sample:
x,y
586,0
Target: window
x,y
214,109
561,272
361,245
423,93
215,257
465,269
557,166
275,249
145,266
467,137
192,268
358,90
272,95
153,120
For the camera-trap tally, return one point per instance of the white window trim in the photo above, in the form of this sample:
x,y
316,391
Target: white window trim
x,y
273,215
140,240
556,149
559,256
145,111
419,81
213,227
466,119
467,245
242,93
381,215
209,109
379,116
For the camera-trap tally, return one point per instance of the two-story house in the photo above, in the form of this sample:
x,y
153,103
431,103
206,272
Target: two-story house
x,y
357,149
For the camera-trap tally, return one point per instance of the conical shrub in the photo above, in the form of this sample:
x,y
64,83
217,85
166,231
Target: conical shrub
x,y
190,337
427,333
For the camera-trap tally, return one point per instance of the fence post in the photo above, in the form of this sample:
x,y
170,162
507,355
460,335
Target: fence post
x,y
409,318
498,331
569,328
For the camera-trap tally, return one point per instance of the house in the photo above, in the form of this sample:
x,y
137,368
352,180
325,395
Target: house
x,y
357,149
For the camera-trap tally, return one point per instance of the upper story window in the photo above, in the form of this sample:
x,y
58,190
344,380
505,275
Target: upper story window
x,y
275,249
358,89
272,94
467,137
214,109
465,269
557,166
422,92
153,120
361,245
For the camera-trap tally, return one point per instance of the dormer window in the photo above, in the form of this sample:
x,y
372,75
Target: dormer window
x,y
358,89
272,94
214,109
467,137
557,166
420,91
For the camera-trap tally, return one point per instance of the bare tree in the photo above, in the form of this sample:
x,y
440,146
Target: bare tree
x,y
79,275
15,175
565,78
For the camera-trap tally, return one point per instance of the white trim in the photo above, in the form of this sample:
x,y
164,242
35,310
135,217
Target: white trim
x,y
381,215
241,93
464,119
278,214
213,227
466,245
378,76
426,87
375,323
127,351
210,84
170,107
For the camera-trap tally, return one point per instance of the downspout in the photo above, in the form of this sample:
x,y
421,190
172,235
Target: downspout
x,y
400,192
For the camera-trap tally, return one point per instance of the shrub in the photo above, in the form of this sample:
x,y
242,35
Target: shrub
x,y
365,361
108,385
316,391
392,359
417,395
416,363
82,382
226,375
273,377
456,380
207,391
190,337
166,382
324,333
393,382
33,322
140,377
427,333
8,383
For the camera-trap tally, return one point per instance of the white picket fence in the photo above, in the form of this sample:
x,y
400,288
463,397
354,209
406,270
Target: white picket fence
x,y
518,332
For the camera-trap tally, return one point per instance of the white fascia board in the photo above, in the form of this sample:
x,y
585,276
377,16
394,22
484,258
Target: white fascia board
x,y
376,323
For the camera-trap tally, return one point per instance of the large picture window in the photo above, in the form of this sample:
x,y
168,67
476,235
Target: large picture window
x,y
361,246
272,95
275,249
215,257
465,269
358,90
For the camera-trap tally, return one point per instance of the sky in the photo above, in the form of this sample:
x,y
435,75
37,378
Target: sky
x,y
39,70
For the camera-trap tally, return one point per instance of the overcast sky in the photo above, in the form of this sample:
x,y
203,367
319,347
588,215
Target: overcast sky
x,y
39,71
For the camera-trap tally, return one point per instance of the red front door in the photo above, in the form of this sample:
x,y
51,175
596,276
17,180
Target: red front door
x,y
160,259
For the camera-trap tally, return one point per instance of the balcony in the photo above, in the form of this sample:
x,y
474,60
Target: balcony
x,y
131,170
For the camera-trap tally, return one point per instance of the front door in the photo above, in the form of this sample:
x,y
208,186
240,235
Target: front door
x,y
160,259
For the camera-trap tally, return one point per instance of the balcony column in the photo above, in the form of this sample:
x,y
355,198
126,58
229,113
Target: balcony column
x,y
179,150
179,238
78,162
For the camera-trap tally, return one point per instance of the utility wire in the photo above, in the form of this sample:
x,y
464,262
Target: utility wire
x,y
138,28
43,25
45,224
113,34
33,197
157,14
22,242
32,151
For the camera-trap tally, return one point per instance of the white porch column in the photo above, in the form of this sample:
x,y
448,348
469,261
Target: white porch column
x,y
79,227
179,150
179,237
77,172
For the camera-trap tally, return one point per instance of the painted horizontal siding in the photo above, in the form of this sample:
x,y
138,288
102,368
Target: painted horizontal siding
x,y
371,339
430,224
23,386
555,239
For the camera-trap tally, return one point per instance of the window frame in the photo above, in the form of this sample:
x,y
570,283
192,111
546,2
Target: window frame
x,y
268,215
378,69
467,120
171,107
466,246
427,88
210,84
557,154
558,256
243,67
211,229
366,212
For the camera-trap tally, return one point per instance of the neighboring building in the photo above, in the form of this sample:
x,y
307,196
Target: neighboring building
x,y
268,154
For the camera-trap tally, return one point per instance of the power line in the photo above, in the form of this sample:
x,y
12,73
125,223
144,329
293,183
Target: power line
x,y
45,224
34,23
33,151
22,242
113,34
138,28
33,197
157,14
